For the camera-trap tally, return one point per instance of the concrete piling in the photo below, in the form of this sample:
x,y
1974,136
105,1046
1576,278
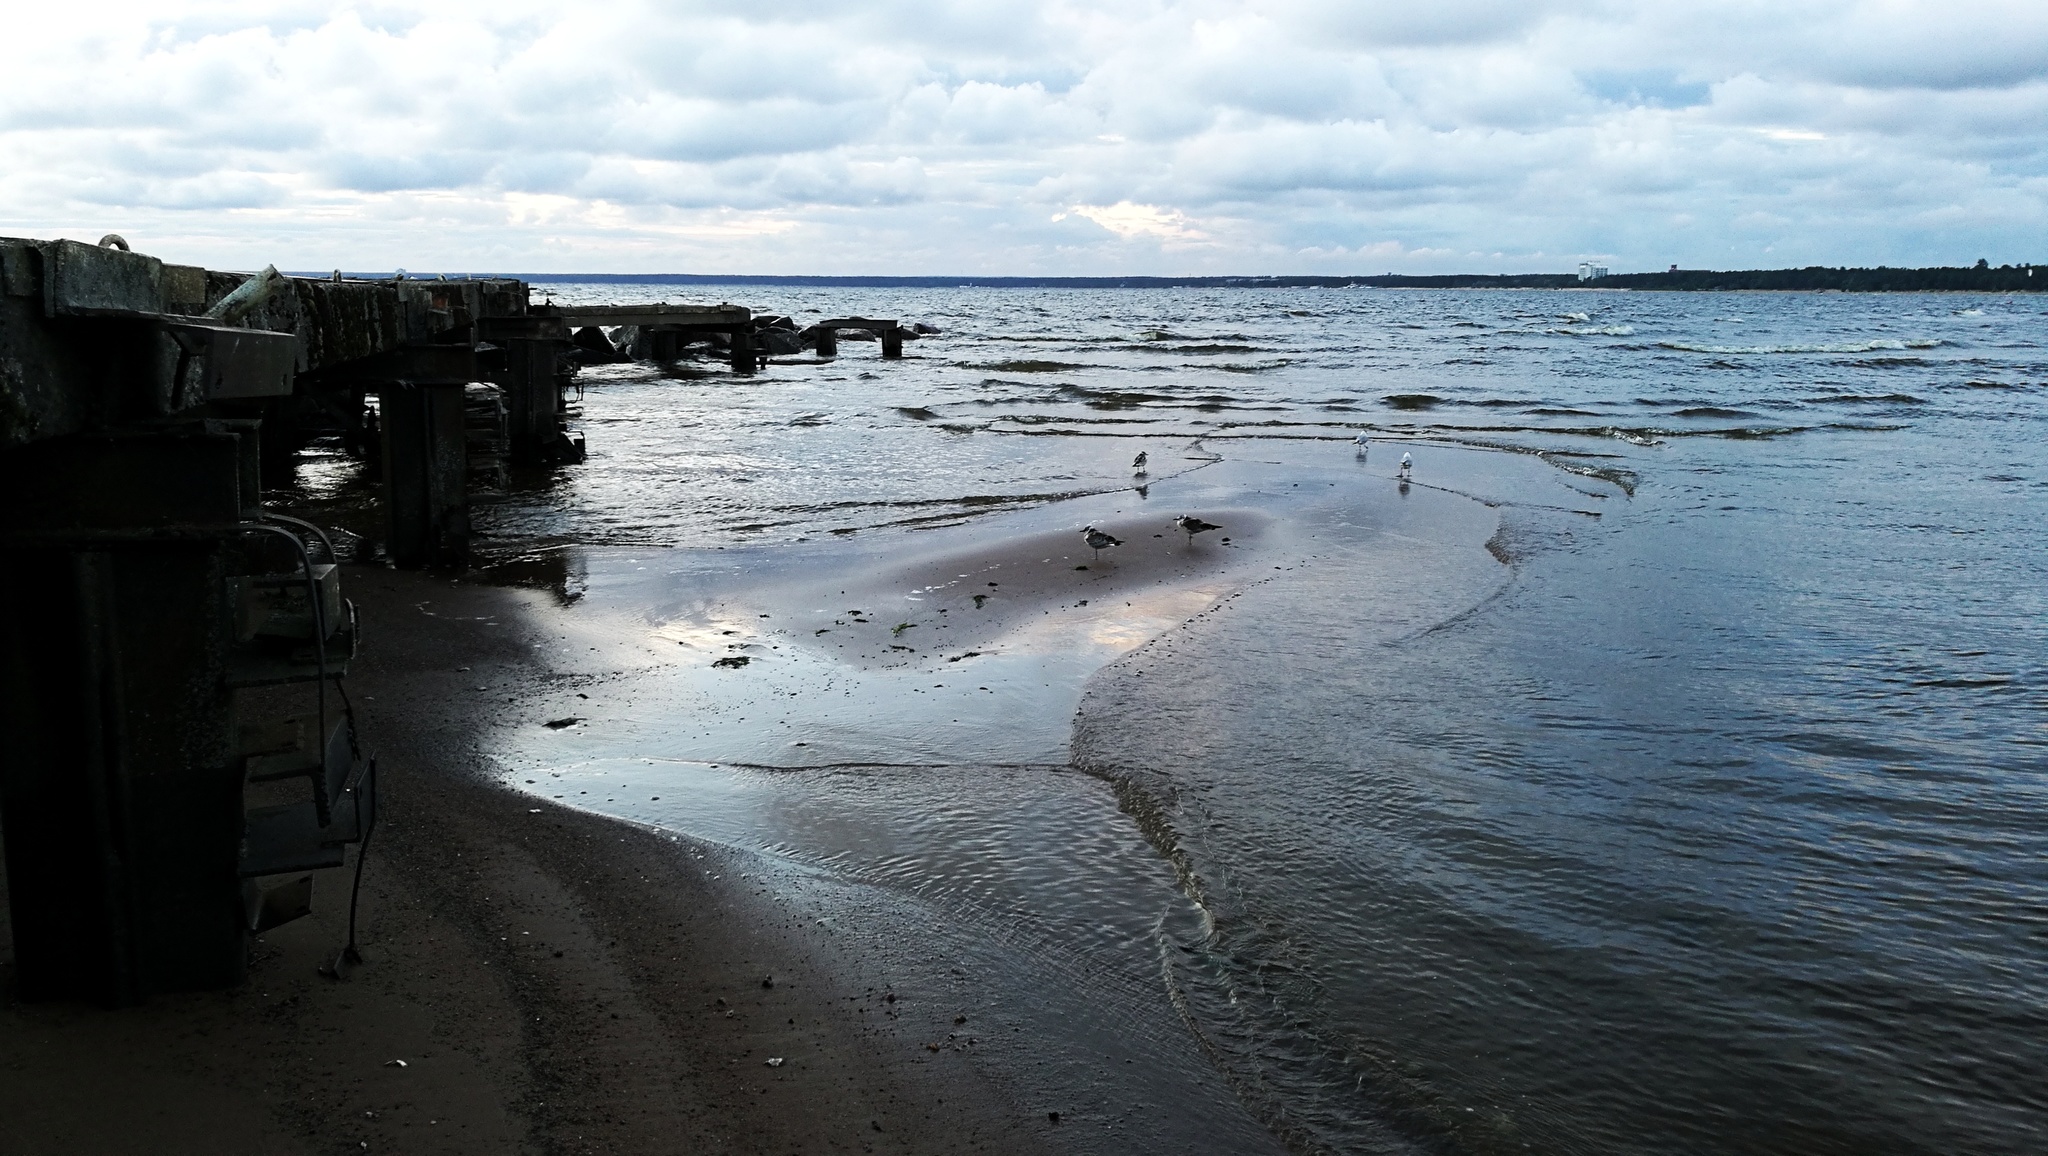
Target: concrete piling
x,y
166,669
426,465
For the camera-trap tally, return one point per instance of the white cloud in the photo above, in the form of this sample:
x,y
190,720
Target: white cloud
x,y
1131,221
1006,136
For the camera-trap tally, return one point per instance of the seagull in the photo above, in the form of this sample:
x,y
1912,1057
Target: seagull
x,y
1363,443
1190,525
1407,463
1097,540
1138,463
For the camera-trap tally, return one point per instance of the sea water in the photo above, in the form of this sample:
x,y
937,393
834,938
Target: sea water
x,y
1704,810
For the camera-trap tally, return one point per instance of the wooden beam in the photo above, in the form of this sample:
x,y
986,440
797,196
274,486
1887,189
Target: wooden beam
x,y
705,316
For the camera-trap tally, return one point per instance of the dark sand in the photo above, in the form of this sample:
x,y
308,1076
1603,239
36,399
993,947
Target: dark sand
x,y
554,981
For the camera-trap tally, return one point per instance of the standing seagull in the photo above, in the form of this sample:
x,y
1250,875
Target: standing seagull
x,y
1138,463
1407,464
1363,443
1191,525
1097,540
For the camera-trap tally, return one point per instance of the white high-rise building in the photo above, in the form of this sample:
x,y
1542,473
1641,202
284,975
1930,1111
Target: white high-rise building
x,y
1588,271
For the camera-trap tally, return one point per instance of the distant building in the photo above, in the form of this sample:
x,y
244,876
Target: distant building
x,y
1674,269
1591,272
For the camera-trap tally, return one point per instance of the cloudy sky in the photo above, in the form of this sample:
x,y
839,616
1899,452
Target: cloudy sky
x,y
998,136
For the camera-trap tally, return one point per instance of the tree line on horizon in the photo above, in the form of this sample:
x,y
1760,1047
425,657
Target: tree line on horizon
x,y
1980,278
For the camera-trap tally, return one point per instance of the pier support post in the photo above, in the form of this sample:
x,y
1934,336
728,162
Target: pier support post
x,y
892,343
743,360
828,342
120,789
531,398
425,461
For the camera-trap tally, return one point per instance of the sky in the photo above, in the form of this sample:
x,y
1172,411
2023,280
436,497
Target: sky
x,y
1001,137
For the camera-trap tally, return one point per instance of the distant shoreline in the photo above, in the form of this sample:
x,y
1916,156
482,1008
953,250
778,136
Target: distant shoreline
x,y
2000,279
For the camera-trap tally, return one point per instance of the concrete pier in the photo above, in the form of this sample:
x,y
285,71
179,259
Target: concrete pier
x,y
178,749
177,752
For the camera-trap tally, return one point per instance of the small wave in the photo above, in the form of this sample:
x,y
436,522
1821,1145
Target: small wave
x,y
1068,419
1210,348
1113,398
1027,365
1596,331
809,419
1413,400
1712,411
1560,411
915,412
1846,747
1576,317
1261,367
1858,398
1845,347
1968,682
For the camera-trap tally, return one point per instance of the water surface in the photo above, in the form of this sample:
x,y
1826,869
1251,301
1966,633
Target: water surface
x,y
1699,804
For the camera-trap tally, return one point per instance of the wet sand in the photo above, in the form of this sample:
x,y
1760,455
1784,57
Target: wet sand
x,y
553,980
965,935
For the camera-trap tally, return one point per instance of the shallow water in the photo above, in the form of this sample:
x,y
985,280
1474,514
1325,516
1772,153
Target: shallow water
x,y
1666,770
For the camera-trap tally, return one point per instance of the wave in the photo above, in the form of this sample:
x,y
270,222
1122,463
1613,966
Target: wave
x,y
1856,398
1026,365
1596,331
1711,411
1413,400
1845,347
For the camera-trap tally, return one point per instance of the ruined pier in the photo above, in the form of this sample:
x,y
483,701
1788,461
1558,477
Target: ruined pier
x,y
180,748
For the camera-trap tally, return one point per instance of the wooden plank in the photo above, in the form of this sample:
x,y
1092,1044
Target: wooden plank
x,y
708,316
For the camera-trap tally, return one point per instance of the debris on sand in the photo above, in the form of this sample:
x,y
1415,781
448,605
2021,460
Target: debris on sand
x,y
555,724
732,662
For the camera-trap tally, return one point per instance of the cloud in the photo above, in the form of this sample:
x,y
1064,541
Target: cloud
x,y
1131,221
1033,135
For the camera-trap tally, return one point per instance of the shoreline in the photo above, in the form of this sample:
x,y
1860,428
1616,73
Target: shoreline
x,y
551,977
961,946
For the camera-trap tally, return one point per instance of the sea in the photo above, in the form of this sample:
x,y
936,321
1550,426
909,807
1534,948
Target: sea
x,y
1663,768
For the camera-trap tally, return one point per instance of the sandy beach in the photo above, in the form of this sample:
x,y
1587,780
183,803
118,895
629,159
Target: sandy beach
x,y
551,980
541,978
